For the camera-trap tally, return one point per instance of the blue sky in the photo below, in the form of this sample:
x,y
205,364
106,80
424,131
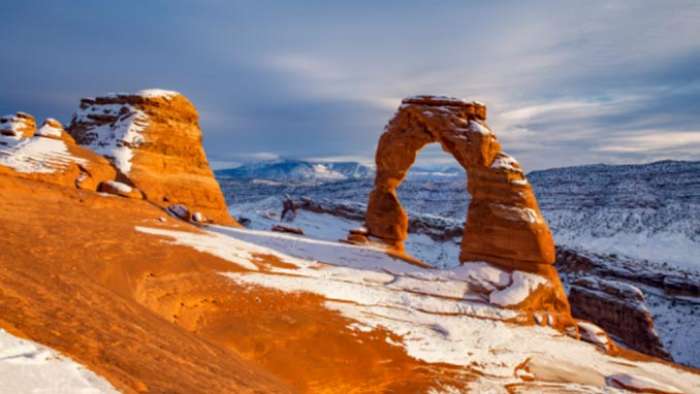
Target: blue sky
x,y
566,82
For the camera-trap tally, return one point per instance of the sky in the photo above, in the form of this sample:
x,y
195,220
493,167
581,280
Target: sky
x,y
565,82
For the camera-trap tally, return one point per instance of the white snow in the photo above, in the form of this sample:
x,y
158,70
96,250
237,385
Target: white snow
x,y
153,93
515,214
47,130
37,155
115,140
506,162
28,367
120,187
523,285
593,334
479,128
442,316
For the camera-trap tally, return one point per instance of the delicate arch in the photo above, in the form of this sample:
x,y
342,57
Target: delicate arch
x,y
504,224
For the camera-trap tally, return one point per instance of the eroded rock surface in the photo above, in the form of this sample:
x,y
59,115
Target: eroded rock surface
x,y
620,309
504,224
153,138
49,154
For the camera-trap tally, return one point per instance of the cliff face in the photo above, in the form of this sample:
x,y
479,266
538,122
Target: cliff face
x,y
620,309
153,139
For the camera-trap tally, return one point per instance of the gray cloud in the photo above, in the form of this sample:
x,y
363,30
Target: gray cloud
x,y
566,83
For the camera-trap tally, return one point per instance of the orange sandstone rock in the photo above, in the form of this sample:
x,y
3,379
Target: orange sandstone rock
x,y
504,224
49,154
154,140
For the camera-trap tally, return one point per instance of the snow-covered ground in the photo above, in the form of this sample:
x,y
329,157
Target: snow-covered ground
x,y
36,154
649,212
27,367
442,316
266,213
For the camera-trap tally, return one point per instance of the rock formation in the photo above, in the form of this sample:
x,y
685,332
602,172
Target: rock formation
x,y
620,309
49,154
504,224
153,139
17,126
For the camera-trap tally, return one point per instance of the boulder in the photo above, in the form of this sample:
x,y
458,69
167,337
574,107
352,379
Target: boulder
x,y
119,189
153,139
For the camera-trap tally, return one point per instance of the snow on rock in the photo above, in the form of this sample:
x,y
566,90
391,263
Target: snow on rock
x,y
506,162
16,126
153,138
593,334
51,128
441,316
150,93
522,286
115,130
27,367
37,155
515,214
640,384
477,127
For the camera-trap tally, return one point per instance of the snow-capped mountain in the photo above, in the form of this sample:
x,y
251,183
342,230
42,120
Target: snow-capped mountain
x,y
297,172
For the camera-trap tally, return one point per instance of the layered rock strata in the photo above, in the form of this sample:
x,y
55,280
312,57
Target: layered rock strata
x,y
49,154
153,139
620,309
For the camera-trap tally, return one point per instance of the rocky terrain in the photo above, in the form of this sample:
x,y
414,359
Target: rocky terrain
x,y
122,271
625,218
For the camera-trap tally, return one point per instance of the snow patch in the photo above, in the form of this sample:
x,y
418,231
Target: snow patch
x,y
515,214
37,155
28,367
48,130
441,316
522,286
119,186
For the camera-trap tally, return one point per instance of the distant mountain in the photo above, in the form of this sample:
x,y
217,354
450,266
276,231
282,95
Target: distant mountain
x,y
297,172
300,172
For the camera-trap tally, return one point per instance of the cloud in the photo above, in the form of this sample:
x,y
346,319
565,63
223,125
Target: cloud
x,y
564,82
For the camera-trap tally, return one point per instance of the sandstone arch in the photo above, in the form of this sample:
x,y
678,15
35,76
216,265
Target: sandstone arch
x,y
504,224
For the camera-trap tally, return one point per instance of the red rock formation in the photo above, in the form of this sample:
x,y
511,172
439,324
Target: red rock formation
x,y
504,224
153,139
620,309
18,126
50,155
